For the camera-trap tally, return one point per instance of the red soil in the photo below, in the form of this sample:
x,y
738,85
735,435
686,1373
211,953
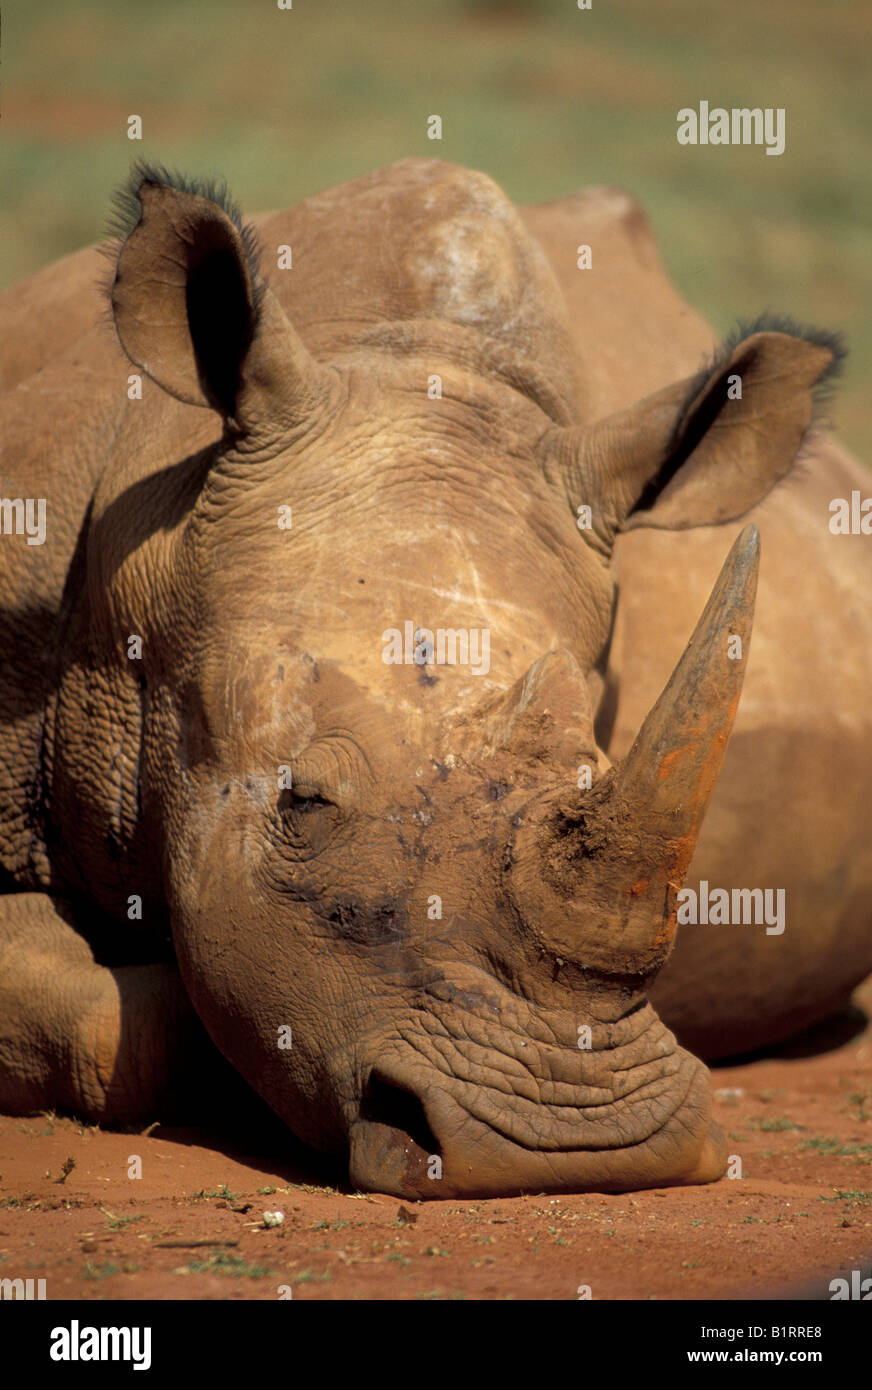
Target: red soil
x,y
192,1226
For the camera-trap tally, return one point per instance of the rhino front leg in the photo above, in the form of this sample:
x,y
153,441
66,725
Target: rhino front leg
x,y
111,1045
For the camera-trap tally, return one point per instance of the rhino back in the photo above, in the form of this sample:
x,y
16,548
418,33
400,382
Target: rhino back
x,y
632,333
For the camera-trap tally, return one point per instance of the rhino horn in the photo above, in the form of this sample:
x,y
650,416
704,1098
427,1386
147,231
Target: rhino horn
x,y
546,714
674,762
617,855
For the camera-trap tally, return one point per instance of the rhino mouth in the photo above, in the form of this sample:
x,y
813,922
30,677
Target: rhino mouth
x,y
456,1121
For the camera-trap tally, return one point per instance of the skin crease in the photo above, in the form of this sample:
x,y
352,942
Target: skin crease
x,y
413,1034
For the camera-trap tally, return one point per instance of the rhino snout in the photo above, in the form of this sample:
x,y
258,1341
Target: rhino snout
x,y
416,1138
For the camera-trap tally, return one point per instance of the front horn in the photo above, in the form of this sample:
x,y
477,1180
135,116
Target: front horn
x,y
606,865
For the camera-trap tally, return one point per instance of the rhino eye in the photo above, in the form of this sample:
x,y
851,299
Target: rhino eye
x,y
303,801
307,821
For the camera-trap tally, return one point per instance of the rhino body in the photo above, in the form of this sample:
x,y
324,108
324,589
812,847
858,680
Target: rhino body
x,y
419,905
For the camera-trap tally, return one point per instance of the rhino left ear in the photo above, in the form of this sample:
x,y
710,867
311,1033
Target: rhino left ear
x,y
191,310
706,449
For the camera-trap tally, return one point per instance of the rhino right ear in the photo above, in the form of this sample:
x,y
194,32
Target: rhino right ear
x,y
192,312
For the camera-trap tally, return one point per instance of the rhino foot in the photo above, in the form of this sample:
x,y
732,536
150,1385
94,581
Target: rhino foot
x,y
102,1043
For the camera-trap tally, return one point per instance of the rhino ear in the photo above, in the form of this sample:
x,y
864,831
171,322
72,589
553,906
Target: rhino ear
x,y
191,310
705,449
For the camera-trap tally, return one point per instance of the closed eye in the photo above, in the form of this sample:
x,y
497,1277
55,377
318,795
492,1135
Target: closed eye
x,y
303,799
323,782
308,820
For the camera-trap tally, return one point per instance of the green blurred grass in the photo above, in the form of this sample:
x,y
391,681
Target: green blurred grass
x,y
544,97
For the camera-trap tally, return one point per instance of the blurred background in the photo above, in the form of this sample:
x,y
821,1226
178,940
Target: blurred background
x,y
542,96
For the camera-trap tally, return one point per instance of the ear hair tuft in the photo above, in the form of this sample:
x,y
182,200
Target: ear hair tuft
x,y
769,322
126,214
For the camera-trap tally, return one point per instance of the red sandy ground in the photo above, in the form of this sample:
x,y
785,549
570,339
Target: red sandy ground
x,y
192,1226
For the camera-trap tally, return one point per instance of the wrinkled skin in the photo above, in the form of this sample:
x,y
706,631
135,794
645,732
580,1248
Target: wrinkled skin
x,y
434,906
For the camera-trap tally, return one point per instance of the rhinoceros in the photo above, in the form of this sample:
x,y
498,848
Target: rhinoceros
x,y
368,674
